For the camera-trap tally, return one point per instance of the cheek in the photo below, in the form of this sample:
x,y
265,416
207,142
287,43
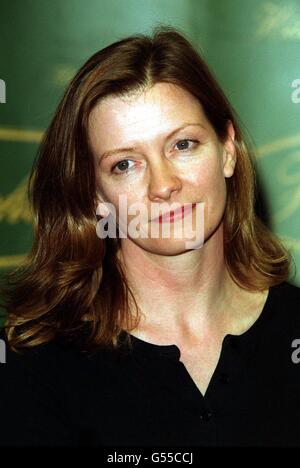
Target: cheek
x,y
118,195
207,177
209,187
203,167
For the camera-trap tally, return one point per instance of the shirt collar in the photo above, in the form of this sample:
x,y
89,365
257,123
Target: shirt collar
x,y
243,342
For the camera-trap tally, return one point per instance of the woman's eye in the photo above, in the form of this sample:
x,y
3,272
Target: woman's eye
x,y
183,144
122,166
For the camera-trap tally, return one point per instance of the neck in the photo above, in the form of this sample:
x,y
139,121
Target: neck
x,y
183,293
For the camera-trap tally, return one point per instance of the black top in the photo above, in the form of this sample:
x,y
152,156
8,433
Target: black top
x,y
55,396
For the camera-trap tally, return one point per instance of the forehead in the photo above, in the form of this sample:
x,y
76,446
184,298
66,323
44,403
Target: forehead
x,y
156,108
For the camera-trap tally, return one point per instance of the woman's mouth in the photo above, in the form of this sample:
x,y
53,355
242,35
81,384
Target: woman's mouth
x,y
175,215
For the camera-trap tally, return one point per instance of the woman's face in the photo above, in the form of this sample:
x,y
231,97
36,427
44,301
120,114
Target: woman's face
x,y
158,148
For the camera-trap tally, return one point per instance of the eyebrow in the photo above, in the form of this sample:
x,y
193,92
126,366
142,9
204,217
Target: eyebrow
x,y
131,149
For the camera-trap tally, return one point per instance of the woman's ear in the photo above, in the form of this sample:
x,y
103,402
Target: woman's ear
x,y
229,151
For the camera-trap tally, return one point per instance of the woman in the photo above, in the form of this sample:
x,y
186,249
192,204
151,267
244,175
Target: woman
x,y
145,340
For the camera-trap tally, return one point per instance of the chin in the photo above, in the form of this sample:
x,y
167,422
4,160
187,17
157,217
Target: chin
x,y
166,247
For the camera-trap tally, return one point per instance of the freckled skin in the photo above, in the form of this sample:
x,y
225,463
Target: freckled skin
x,y
166,276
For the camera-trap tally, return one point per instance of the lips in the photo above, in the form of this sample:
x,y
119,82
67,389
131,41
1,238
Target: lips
x,y
173,215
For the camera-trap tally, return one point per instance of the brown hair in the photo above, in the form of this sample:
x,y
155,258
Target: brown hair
x,y
71,273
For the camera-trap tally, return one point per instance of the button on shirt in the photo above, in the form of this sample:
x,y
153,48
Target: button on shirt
x,y
54,395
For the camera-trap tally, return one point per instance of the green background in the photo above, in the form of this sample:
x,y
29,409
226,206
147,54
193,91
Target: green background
x,y
252,47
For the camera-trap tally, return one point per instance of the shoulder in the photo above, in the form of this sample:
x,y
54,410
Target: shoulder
x,y
286,294
29,365
284,306
55,361
41,390
50,351
52,355
33,390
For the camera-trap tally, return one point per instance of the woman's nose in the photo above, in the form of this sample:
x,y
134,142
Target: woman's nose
x,y
162,181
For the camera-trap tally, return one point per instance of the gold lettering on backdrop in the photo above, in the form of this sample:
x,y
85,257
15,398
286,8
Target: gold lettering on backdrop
x,y
14,207
278,145
278,20
62,75
11,261
16,134
291,243
286,174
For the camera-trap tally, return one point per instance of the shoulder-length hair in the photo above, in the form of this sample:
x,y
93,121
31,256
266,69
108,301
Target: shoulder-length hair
x,y
71,275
